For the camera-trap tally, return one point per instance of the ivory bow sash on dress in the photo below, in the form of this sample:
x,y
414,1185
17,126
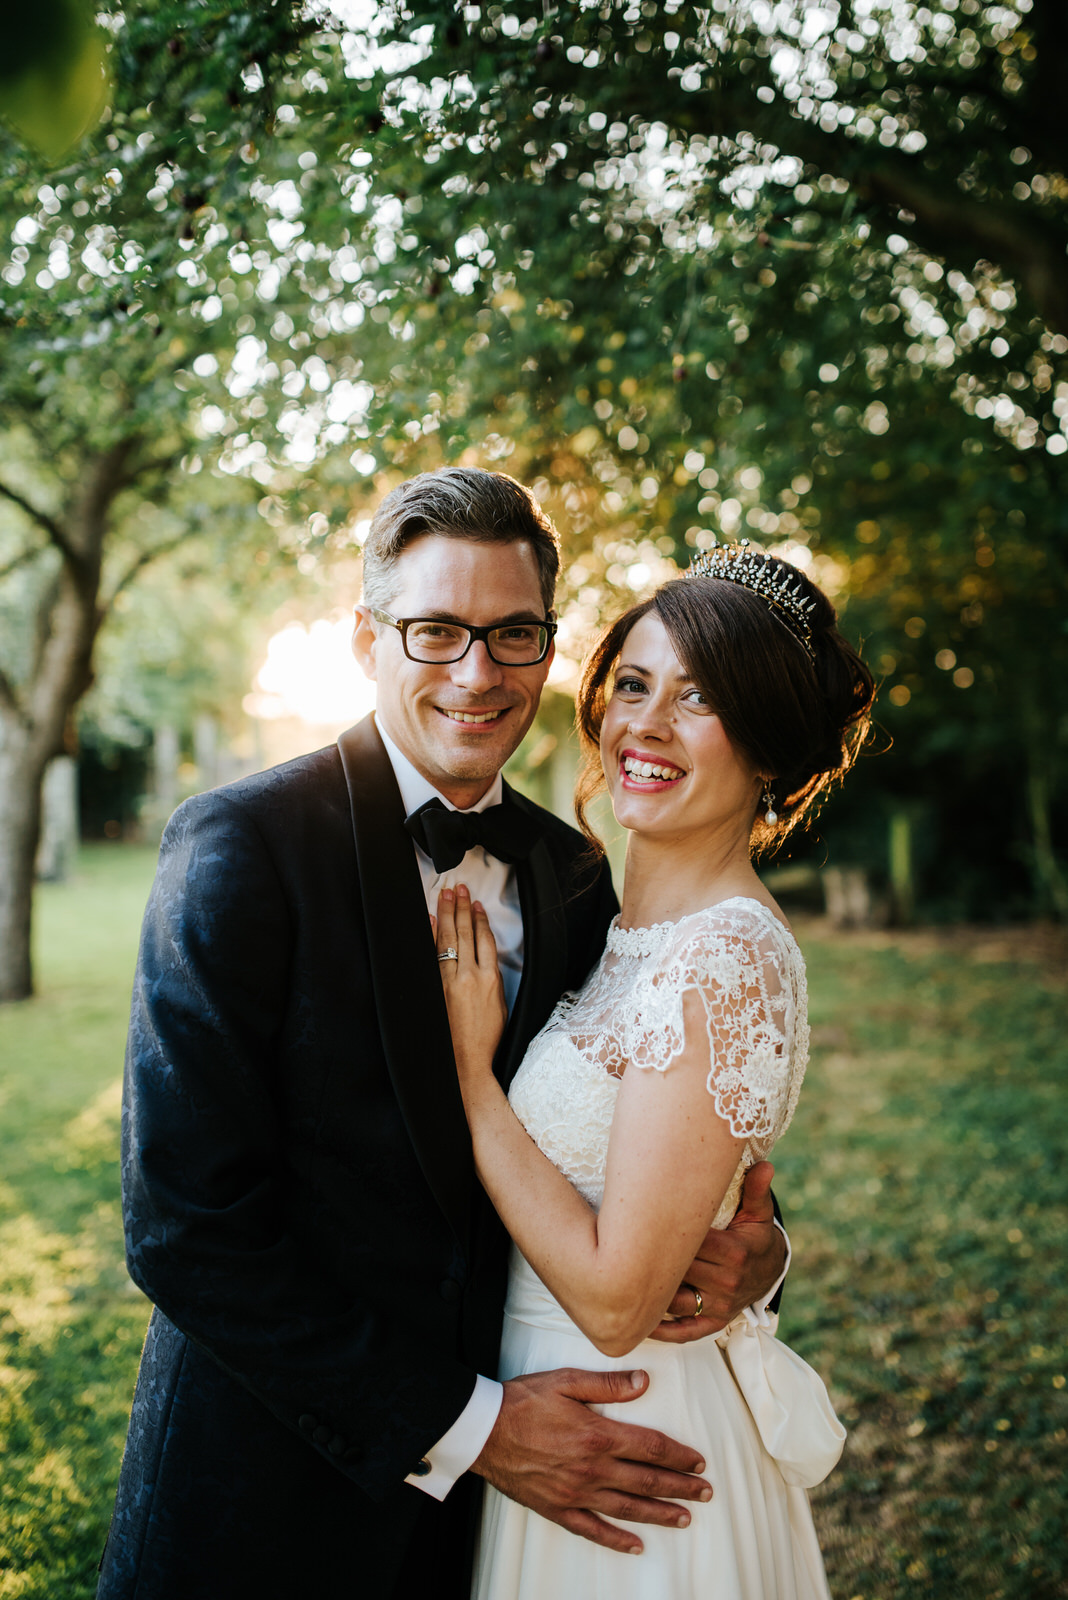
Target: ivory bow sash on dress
x,y
787,1400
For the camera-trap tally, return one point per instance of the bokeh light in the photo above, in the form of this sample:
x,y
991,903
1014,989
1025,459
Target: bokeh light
x,y
310,674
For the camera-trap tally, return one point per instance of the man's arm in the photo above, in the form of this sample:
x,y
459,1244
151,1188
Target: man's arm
x,y
738,1266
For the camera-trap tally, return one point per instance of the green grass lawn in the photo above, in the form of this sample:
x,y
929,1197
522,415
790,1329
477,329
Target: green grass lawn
x,y
923,1183
71,1323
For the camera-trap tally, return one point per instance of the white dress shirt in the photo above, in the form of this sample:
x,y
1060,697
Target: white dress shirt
x,y
494,884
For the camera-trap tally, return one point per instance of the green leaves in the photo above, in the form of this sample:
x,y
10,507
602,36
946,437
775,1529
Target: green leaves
x,y
54,78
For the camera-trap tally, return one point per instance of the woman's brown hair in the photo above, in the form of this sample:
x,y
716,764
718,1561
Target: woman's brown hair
x,y
798,716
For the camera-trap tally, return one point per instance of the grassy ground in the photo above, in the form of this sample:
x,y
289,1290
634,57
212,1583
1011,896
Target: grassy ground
x,y
71,1323
923,1182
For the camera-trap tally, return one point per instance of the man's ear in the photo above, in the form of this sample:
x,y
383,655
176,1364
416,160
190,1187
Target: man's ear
x,y
364,639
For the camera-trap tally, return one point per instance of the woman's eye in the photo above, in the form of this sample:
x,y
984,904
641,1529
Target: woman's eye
x,y
629,686
695,697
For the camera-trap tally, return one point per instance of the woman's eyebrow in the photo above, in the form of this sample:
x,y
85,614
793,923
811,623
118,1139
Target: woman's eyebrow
x,y
627,666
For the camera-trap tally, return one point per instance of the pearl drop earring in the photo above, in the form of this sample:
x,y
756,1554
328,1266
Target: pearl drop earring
x,y
768,799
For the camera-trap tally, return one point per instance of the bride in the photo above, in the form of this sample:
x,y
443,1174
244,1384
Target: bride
x,y
720,709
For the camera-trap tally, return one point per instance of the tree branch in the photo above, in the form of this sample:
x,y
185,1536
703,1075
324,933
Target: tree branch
x,y
9,697
20,560
949,221
43,520
153,464
144,559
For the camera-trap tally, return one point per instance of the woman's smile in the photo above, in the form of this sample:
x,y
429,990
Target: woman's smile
x,y
642,770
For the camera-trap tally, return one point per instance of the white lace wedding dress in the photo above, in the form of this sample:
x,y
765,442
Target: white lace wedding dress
x,y
755,1539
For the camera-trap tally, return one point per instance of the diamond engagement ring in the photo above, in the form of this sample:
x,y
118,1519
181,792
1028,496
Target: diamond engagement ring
x,y
449,955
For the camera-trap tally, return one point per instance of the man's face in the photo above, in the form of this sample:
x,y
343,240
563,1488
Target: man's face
x,y
422,706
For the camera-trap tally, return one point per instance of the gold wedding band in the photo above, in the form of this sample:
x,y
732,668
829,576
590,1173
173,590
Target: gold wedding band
x,y
698,1298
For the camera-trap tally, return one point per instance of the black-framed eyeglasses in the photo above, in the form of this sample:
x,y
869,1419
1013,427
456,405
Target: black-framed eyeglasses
x,y
433,641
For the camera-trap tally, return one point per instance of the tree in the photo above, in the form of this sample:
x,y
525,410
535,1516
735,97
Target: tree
x,y
790,269
129,295
747,264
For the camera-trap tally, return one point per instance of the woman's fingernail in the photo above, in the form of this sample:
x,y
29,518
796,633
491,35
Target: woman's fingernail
x,y
463,891
682,1520
637,1379
446,894
706,1494
699,1467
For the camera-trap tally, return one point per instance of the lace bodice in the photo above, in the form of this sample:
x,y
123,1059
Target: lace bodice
x,y
750,977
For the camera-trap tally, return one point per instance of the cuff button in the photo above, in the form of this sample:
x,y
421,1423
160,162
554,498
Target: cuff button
x,y
422,1469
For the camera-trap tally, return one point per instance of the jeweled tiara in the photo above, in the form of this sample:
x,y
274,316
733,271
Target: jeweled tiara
x,y
739,563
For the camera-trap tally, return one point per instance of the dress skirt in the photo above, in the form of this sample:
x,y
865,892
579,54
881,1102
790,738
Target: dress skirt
x,y
754,1540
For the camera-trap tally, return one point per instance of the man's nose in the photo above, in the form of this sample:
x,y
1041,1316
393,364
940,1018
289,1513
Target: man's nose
x,y
477,670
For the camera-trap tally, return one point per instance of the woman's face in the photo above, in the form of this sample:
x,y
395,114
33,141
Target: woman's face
x,y
670,768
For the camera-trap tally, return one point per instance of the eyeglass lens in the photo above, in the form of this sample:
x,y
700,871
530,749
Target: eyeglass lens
x,y
517,643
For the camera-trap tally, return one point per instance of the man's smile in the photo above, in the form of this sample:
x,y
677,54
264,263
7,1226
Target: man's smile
x,y
474,718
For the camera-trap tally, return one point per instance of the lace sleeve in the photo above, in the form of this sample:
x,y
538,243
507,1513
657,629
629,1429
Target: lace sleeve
x,y
749,978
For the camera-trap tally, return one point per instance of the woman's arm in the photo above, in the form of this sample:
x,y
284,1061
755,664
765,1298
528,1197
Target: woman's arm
x,y
670,1160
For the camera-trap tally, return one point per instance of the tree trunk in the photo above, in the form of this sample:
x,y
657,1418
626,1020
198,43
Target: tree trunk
x,y
59,821
1050,881
21,774
33,715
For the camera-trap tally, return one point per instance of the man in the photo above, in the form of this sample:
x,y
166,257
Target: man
x,y
299,1196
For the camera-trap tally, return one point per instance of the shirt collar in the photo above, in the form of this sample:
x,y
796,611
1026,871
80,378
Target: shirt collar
x,y
416,790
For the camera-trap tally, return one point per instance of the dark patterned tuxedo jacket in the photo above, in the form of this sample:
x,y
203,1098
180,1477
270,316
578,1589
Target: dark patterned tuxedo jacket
x,y
298,1187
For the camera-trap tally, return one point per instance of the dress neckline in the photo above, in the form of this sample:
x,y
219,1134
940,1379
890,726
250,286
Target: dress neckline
x,y
629,938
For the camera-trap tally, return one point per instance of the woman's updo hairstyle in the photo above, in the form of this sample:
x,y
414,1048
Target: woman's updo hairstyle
x,y
801,717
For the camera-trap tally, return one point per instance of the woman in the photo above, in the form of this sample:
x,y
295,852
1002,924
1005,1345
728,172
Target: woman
x,y
720,709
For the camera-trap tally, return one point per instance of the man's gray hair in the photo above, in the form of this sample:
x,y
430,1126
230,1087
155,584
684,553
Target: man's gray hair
x,y
457,503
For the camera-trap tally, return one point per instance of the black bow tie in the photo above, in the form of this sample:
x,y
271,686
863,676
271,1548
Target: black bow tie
x,y
504,831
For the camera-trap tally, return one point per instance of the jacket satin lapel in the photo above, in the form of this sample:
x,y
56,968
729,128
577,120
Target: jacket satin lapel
x,y
411,1007
544,954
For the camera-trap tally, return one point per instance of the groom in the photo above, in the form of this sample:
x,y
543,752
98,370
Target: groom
x,y
315,1404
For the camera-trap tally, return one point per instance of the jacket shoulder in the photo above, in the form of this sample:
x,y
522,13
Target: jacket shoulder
x,y
307,779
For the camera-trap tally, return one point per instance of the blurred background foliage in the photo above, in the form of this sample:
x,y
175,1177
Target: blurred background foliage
x,y
786,271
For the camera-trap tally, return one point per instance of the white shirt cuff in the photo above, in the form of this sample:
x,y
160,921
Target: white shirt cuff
x,y
760,1307
455,1452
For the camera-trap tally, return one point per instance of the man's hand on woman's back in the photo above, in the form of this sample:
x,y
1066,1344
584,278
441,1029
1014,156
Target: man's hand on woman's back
x,y
734,1268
